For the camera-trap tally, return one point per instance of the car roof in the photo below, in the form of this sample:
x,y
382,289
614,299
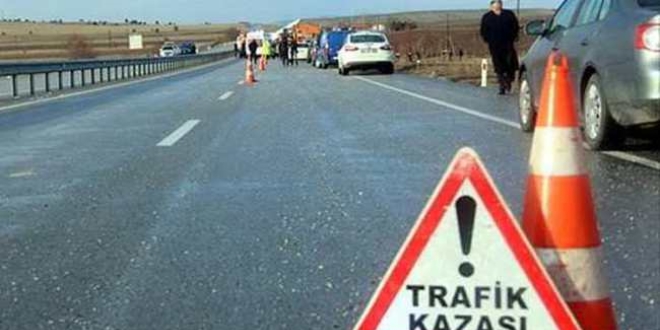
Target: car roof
x,y
367,32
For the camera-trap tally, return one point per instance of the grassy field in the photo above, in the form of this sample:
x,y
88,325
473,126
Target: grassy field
x,y
49,40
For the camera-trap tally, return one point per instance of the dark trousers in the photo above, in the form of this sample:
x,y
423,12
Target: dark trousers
x,y
505,61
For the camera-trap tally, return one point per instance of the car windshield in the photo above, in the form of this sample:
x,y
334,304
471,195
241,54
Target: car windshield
x,y
329,165
367,38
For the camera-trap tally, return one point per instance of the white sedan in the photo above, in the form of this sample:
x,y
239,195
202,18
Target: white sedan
x,y
366,50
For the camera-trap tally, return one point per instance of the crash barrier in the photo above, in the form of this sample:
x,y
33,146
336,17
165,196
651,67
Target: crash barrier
x,y
82,73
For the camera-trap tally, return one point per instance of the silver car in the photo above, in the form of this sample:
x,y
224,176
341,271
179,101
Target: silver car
x,y
613,48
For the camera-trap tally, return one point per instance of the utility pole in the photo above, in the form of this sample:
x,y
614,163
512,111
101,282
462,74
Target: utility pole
x,y
447,33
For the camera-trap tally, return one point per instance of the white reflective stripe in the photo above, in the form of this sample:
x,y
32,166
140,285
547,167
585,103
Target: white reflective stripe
x,y
576,272
557,151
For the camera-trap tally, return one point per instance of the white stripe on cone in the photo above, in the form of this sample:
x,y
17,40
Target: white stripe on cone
x,y
557,151
576,273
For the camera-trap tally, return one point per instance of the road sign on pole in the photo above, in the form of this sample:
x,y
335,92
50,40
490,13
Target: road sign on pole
x,y
466,266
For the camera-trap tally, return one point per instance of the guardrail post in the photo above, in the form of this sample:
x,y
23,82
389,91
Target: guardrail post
x,y
82,77
59,80
93,75
14,85
72,79
47,82
31,84
107,71
123,72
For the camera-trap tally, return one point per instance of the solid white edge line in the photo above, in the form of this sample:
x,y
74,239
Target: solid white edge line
x,y
443,103
633,159
226,95
180,132
67,95
615,154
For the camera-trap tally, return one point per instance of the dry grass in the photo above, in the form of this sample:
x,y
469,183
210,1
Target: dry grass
x,y
46,40
468,70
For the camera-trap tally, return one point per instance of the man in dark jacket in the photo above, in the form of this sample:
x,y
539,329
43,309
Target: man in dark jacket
x,y
253,46
283,49
499,29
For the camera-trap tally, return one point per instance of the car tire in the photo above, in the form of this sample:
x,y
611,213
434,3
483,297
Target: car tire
x,y
526,109
599,129
389,69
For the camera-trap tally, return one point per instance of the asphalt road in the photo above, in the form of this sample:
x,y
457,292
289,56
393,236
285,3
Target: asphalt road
x,y
193,202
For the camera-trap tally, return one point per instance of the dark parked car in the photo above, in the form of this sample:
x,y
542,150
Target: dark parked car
x,y
188,48
613,48
330,43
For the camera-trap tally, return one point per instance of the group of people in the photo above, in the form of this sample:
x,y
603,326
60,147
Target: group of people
x,y
286,48
499,29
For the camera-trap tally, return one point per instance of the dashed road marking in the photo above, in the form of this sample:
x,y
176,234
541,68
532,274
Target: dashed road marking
x,y
225,96
173,138
241,82
21,174
615,154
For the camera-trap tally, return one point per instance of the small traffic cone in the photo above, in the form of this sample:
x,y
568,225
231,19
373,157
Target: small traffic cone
x,y
249,73
558,215
262,63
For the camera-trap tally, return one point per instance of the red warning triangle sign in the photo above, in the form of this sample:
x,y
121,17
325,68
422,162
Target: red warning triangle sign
x,y
466,265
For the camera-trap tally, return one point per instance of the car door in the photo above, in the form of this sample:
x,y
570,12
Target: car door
x,y
556,30
578,42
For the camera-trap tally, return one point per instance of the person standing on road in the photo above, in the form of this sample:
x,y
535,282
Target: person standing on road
x,y
499,29
266,50
293,47
284,51
253,45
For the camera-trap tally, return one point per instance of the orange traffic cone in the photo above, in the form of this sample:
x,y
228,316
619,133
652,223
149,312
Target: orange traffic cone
x,y
249,73
559,217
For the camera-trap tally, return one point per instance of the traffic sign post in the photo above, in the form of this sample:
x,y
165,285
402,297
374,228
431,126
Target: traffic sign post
x,y
466,266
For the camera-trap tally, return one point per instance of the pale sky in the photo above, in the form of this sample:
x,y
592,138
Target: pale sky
x,y
219,11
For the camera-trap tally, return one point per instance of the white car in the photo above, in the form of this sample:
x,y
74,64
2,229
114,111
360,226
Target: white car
x,y
366,50
303,52
169,50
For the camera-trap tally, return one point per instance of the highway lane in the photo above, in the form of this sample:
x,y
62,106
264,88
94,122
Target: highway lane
x,y
280,208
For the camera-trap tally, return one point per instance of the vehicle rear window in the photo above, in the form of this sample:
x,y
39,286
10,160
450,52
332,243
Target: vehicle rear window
x,y
362,38
649,3
167,48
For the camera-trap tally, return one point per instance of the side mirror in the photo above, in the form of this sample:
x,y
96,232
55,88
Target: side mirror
x,y
535,28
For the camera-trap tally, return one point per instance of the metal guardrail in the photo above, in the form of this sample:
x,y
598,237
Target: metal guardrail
x,y
100,70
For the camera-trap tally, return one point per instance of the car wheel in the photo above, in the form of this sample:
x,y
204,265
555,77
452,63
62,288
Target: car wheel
x,y
526,109
389,69
599,128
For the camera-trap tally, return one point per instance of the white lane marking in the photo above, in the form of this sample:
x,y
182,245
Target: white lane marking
x,y
634,159
22,174
615,154
443,103
225,96
104,88
241,82
171,139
